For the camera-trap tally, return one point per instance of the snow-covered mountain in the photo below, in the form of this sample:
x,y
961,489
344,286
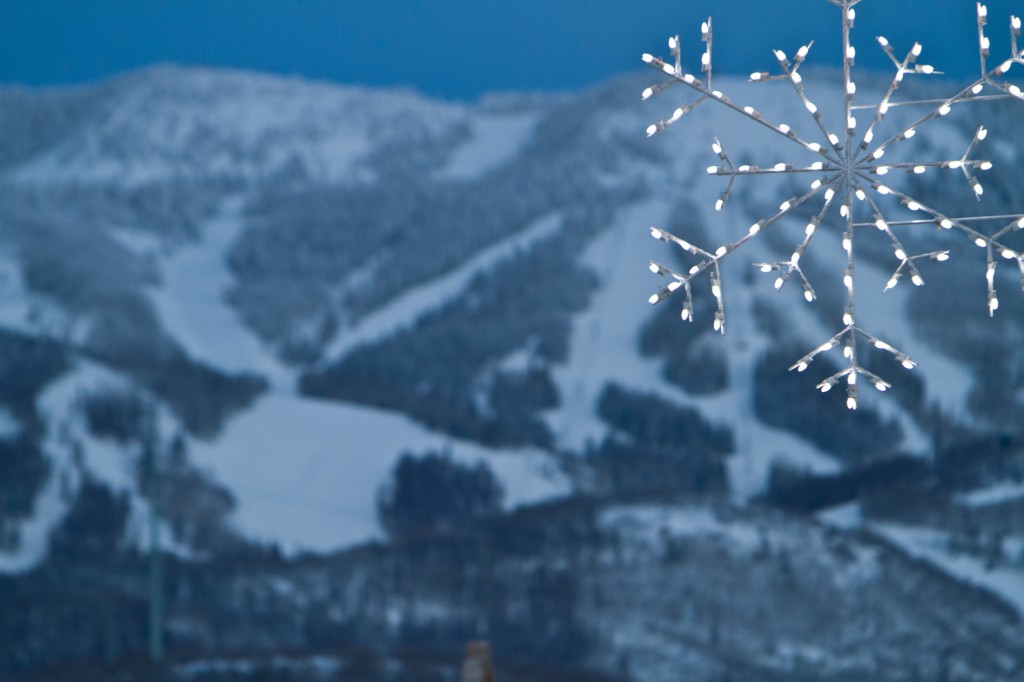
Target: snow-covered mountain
x,y
270,290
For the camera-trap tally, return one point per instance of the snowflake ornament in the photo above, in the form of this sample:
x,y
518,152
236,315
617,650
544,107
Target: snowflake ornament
x,y
849,171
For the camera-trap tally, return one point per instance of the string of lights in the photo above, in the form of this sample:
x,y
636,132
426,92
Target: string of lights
x,y
847,171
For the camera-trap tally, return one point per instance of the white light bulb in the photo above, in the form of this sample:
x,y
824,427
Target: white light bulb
x,y
916,50
890,284
909,133
778,283
653,299
785,205
705,59
847,320
980,242
882,41
784,128
780,167
900,254
816,184
883,190
954,165
717,325
847,244
721,251
655,268
881,385
756,76
766,267
944,109
689,78
882,170
848,281
802,366
719,204
851,123
695,269
942,257
825,388
977,88
795,77
647,58
1015,23
716,148
946,223
754,229
851,52
1007,254
647,93
919,169
817,165
879,153
829,193
985,165
780,55
982,133
868,136
811,106
993,305
883,108
672,286
712,170
716,291
651,129
860,194
672,43
833,138
908,363
916,279
927,69
851,88
810,229
809,295
656,233
844,210
881,224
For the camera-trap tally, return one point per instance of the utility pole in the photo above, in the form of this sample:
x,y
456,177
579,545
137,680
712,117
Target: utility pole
x,y
152,474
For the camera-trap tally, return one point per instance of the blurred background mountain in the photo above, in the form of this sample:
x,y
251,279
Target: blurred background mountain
x,y
378,370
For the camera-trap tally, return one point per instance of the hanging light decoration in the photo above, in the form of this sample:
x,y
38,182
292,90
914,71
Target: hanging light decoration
x,y
847,168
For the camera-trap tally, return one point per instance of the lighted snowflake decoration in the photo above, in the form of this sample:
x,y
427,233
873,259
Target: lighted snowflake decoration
x,y
849,167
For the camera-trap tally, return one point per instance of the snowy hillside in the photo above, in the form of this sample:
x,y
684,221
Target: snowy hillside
x,y
271,293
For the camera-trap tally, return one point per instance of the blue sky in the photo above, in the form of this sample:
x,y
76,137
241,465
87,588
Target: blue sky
x,y
458,49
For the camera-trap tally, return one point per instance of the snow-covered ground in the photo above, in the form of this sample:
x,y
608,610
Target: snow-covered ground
x,y
493,140
306,473
404,310
191,301
933,546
